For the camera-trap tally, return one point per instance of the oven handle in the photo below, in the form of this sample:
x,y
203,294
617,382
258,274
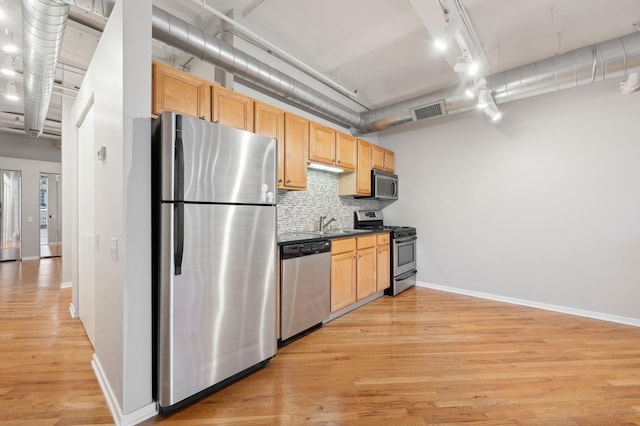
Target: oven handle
x,y
406,275
404,240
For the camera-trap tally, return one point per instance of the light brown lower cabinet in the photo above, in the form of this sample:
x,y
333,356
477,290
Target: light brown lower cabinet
x,y
383,262
355,269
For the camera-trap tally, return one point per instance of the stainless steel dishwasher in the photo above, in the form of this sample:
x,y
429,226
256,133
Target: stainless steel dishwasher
x,y
305,287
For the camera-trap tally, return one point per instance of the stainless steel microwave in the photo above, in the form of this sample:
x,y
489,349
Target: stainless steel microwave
x,y
384,186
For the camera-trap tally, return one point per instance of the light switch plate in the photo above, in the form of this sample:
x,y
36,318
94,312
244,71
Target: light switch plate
x,y
113,248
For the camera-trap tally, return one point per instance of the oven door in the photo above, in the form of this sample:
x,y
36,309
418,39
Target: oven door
x,y
404,255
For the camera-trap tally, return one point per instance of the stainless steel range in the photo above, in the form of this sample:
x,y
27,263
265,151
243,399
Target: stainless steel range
x,y
403,253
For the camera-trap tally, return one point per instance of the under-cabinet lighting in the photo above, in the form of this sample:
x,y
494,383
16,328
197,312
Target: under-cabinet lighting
x,y
325,168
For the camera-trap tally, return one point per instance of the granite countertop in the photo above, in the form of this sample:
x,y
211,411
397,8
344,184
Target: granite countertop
x,y
308,236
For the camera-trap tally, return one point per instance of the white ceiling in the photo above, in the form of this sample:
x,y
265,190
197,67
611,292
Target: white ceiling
x,y
381,48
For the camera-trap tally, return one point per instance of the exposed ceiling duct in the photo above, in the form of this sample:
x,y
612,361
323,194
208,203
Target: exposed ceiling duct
x,y
44,22
610,59
188,38
43,25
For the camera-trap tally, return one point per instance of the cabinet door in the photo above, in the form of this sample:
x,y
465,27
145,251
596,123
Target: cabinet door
x,y
346,151
322,144
363,178
296,139
377,157
181,92
389,161
383,267
366,272
343,280
232,109
269,121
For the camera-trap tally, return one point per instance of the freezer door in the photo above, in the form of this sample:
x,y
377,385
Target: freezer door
x,y
217,317
208,162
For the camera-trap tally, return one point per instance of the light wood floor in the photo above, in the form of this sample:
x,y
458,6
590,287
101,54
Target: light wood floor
x,y
425,357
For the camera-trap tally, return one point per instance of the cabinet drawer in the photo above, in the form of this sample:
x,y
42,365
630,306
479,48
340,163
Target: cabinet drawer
x,y
342,246
365,242
382,239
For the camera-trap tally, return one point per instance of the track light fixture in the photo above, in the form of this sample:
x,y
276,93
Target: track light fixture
x,y
485,101
8,66
453,25
11,92
466,65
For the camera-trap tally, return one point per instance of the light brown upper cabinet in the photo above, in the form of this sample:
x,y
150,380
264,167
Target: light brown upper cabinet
x,y
389,161
322,144
326,146
181,92
346,151
296,141
231,108
269,121
358,183
377,157
382,159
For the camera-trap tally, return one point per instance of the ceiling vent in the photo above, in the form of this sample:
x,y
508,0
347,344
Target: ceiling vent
x,y
428,111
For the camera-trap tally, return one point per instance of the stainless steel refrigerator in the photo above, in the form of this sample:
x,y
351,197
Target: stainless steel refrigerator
x,y
214,244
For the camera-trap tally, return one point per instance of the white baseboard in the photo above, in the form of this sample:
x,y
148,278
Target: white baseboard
x,y
68,284
133,418
30,258
72,311
548,307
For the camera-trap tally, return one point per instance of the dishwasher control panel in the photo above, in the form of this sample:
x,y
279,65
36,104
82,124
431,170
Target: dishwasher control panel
x,y
290,251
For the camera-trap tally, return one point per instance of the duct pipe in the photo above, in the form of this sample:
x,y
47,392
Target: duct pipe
x,y
43,25
181,35
610,59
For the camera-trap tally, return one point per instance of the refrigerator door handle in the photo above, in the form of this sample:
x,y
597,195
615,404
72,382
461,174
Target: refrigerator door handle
x,y
178,236
178,194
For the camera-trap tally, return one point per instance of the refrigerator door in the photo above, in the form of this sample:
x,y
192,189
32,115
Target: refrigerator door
x,y
217,318
208,162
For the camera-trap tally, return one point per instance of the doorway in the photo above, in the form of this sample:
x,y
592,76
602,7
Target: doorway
x,y
50,215
10,215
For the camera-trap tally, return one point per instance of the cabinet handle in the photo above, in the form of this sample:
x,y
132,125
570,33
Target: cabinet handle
x,y
288,180
338,161
280,181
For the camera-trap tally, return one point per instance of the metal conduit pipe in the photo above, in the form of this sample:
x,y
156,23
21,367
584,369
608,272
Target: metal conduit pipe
x,y
43,26
186,37
610,59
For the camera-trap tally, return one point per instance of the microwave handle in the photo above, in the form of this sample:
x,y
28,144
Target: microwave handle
x,y
394,191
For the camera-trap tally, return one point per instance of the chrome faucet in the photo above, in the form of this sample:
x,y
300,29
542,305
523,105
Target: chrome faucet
x,y
323,226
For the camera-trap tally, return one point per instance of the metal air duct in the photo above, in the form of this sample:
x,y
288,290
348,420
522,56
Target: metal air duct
x,y
610,59
181,35
43,25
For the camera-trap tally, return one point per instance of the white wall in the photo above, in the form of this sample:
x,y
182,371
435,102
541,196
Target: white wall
x,y
30,199
118,83
22,146
544,206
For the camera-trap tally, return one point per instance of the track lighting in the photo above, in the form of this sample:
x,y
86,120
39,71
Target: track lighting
x,y
474,90
466,65
441,43
11,92
9,46
8,66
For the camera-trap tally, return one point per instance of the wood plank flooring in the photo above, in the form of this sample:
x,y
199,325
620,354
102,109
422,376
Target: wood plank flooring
x,y
425,357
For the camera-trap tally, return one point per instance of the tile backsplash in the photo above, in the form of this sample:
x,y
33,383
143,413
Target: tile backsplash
x,y
301,210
